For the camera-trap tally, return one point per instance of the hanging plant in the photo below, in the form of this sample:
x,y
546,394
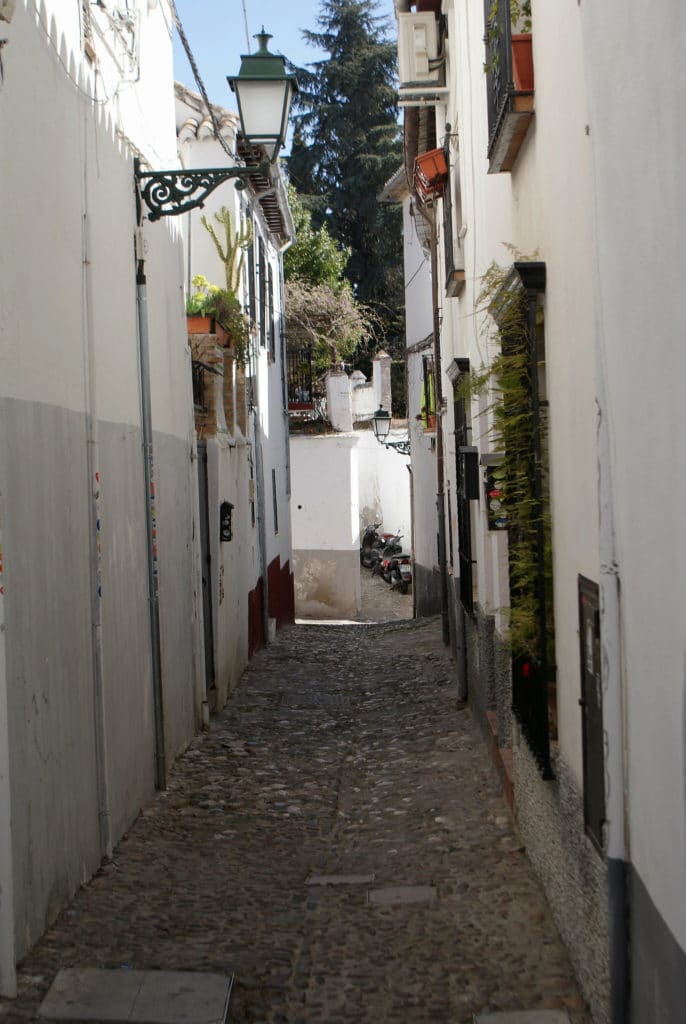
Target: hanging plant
x,y
517,432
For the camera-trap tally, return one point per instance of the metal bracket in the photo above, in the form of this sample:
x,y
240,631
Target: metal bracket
x,y
170,193
402,447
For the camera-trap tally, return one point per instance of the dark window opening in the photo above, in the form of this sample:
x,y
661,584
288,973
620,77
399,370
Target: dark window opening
x,y
271,327
592,711
464,488
262,285
276,502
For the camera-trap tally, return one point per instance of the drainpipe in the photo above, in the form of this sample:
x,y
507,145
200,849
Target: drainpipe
x,y
93,463
151,510
8,975
438,392
614,713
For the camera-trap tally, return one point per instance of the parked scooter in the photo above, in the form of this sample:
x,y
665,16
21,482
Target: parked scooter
x,y
370,540
382,558
395,565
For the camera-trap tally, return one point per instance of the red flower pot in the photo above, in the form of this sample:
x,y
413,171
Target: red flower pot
x,y
522,63
200,325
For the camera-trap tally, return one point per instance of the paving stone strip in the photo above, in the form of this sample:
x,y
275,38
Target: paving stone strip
x,y
262,858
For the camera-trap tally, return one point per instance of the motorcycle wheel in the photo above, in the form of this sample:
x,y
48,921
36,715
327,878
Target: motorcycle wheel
x,y
404,587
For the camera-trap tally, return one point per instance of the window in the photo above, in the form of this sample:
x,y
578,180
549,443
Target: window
x,y
276,502
428,407
452,230
271,329
262,286
592,711
465,457
510,93
299,374
252,303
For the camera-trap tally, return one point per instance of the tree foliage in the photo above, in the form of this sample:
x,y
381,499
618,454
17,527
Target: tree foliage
x,y
347,144
314,256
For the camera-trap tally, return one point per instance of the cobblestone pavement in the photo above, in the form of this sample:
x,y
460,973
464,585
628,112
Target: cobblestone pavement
x,y
342,752
380,602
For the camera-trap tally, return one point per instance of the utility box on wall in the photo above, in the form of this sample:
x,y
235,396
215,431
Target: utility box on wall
x,y
417,48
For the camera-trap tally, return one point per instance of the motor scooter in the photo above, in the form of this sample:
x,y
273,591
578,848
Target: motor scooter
x,y
370,540
396,569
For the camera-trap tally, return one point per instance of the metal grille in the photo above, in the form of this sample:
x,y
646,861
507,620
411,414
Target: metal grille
x,y
464,519
499,85
299,374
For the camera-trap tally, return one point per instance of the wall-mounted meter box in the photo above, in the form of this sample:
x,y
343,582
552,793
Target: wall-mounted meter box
x,y
417,46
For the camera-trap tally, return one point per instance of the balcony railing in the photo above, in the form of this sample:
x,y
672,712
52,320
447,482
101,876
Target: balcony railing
x,y
299,378
510,109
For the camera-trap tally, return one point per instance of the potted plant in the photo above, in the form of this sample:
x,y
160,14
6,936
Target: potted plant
x,y
521,48
232,325
199,319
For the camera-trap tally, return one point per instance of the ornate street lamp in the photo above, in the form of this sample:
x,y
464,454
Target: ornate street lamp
x,y
264,92
381,422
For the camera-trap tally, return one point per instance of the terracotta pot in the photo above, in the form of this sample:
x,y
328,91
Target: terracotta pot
x,y
522,63
200,325
430,171
429,5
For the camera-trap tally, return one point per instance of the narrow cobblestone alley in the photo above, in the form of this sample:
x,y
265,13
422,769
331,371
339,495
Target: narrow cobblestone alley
x,y
342,753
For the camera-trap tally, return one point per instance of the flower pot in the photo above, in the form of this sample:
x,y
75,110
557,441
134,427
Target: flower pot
x,y
522,63
430,171
200,325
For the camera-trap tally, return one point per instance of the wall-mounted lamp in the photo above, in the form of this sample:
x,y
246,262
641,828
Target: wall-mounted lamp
x,y
381,423
264,92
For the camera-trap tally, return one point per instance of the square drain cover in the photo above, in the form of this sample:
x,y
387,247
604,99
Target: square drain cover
x,y
395,894
137,997
524,1017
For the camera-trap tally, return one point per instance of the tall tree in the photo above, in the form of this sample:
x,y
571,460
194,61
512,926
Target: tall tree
x,y
347,144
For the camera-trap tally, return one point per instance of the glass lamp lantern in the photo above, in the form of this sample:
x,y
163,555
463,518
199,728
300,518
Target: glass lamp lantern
x,y
264,92
381,421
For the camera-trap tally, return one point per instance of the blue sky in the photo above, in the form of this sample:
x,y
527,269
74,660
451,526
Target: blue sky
x,y
215,30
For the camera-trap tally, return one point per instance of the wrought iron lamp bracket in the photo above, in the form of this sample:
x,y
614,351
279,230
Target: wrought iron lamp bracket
x,y
170,193
402,447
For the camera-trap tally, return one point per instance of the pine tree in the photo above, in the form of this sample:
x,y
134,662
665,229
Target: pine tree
x,y
347,144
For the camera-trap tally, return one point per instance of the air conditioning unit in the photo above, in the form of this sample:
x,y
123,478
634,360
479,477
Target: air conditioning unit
x,y
417,48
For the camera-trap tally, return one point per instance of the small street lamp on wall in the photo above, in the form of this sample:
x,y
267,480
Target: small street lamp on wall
x,y
264,92
381,423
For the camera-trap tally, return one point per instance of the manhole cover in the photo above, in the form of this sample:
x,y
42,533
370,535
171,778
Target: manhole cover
x,y
339,880
310,699
524,1017
137,997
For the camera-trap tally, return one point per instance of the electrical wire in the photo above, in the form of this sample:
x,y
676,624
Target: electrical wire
x,y
198,80
247,30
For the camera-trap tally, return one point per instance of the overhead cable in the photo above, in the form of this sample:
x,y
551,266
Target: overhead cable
x,y
199,81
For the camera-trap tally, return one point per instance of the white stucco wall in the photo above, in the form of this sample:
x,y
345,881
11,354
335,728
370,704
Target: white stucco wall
x,y
638,152
326,540
384,486
71,470
542,208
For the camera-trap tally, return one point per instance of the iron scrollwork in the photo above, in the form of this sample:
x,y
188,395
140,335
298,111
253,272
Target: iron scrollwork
x,y
170,193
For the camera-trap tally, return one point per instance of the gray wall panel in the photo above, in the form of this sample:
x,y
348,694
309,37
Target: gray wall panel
x,y
49,660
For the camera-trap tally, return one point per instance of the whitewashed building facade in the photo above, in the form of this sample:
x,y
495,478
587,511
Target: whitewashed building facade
x,y
554,181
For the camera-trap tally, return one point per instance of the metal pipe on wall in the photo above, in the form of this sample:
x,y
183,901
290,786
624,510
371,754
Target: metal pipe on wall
x,y
151,511
440,458
95,560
